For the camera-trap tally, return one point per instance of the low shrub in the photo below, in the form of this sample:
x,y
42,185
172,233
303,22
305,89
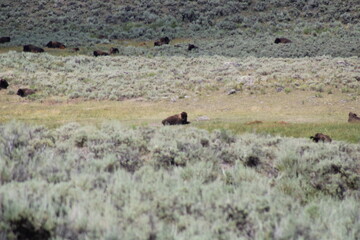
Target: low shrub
x,y
115,182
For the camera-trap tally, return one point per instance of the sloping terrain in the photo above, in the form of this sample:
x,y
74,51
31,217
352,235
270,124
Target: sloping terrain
x,y
318,27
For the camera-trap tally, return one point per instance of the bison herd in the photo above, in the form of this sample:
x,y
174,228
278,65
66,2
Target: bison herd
x,y
177,119
353,118
22,92
181,118
96,53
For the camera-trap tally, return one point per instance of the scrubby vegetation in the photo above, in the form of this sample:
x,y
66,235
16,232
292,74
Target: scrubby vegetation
x,y
154,78
317,27
137,180
115,182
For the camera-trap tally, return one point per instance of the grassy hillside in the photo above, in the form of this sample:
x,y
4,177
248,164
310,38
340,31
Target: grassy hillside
x,y
155,78
115,182
86,156
318,27
291,97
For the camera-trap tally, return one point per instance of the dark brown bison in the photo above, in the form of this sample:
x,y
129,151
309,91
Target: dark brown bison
x,y
321,137
53,44
113,50
282,40
353,118
23,92
32,48
100,53
4,39
162,41
177,119
76,49
191,47
3,84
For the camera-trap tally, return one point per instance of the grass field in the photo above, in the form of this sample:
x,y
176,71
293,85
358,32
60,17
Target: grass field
x,y
102,166
296,114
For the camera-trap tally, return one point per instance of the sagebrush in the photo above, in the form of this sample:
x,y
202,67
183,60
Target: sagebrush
x,y
115,182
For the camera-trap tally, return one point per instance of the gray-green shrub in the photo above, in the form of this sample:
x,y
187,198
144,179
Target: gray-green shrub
x,y
115,182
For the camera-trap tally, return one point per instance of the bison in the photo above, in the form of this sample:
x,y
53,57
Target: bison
x,y
353,118
162,41
100,53
3,84
23,92
282,40
191,47
113,50
177,119
53,44
76,49
32,48
321,137
4,39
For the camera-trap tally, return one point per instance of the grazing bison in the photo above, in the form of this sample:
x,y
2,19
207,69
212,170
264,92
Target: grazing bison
x,y
162,41
282,40
32,48
191,47
321,137
353,118
4,39
23,92
177,119
100,53
113,50
3,84
53,44
76,49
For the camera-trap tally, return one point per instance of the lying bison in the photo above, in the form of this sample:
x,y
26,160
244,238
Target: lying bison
x,y
32,48
23,92
53,44
100,53
4,39
191,47
353,118
177,119
282,40
113,50
3,84
321,137
162,41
